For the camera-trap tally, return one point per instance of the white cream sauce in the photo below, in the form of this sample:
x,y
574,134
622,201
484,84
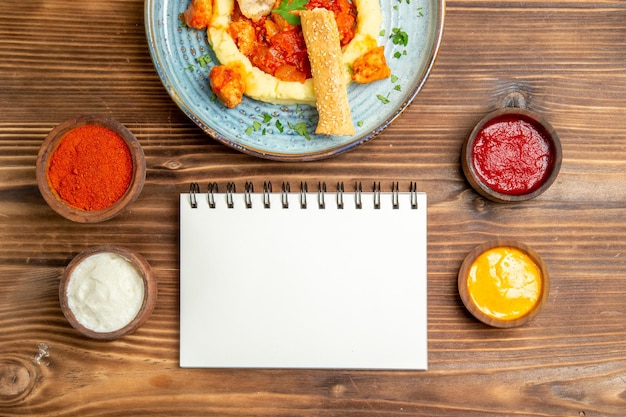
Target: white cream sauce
x,y
105,292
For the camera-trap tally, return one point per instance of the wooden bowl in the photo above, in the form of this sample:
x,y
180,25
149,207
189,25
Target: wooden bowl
x,y
147,303
68,211
491,319
540,125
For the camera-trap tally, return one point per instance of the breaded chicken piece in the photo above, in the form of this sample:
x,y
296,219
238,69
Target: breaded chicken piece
x,y
244,36
198,14
256,9
371,66
228,84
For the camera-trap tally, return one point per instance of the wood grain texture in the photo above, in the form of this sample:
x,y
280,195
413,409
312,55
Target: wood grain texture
x,y
59,59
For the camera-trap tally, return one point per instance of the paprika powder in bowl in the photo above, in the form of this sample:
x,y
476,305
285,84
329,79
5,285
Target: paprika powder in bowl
x,y
90,168
107,292
511,155
503,283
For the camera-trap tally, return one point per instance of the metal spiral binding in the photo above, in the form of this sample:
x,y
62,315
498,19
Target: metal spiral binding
x,y
321,189
267,189
286,189
340,190
213,189
395,195
376,191
304,188
413,192
358,190
230,190
247,197
194,189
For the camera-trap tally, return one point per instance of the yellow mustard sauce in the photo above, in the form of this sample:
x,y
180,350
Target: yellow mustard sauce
x,y
505,283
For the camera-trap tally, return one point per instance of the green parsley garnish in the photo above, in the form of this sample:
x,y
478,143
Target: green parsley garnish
x,y
399,37
383,99
204,60
300,129
286,8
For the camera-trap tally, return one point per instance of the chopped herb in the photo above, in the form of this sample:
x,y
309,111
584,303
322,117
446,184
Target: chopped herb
x,y
279,126
382,32
399,37
267,117
249,130
204,60
301,129
189,67
359,123
286,8
383,99
398,87
256,125
397,54
394,78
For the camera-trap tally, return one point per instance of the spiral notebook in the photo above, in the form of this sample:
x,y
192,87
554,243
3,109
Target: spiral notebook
x,y
299,278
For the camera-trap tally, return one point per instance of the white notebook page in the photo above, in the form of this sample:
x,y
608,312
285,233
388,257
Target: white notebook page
x,y
303,288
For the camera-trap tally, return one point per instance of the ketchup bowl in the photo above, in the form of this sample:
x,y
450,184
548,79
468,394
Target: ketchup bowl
x,y
511,155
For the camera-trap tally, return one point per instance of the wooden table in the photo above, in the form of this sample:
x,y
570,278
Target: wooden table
x,y
567,58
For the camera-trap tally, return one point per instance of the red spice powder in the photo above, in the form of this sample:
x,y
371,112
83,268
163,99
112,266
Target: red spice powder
x,y
91,167
511,156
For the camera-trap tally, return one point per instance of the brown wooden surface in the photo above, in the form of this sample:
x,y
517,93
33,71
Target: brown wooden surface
x,y
61,58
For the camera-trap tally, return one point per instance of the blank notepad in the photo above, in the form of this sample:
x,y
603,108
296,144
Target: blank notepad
x,y
303,279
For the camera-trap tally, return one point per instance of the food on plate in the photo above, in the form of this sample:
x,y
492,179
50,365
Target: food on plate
x,y
371,66
198,14
256,9
234,38
228,84
324,51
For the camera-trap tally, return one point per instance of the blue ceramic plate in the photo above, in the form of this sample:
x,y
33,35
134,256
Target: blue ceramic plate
x,y
183,59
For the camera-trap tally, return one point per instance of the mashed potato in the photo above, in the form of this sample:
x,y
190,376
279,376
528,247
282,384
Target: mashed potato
x,y
266,87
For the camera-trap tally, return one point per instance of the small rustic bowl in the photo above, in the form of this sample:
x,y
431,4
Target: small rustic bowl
x,y
475,311
541,125
149,296
89,216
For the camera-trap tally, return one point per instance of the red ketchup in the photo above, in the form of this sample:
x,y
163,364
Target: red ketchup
x,y
511,155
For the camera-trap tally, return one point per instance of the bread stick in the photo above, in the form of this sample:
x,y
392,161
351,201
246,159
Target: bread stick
x,y
331,96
